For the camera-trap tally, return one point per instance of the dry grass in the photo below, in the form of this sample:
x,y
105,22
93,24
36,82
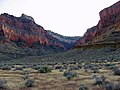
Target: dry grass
x,y
53,80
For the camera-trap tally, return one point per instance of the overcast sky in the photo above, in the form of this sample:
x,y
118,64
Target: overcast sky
x,y
66,17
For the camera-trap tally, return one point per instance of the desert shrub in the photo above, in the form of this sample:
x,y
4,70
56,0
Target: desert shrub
x,y
95,70
25,66
74,68
116,71
58,67
44,69
18,68
51,67
26,74
109,66
36,67
12,66
116,86
100,80
6,68
2,84
83,87
70,74
103,78
112,86
94,76
61,70
80,66
108,86
30,83
26,77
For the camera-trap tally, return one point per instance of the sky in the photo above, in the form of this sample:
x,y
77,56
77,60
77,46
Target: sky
x,y
66,17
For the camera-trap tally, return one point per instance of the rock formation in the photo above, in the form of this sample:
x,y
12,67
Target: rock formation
x,y
24,32
107,29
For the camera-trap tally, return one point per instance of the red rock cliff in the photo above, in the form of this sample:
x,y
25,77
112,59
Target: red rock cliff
x,y
109,22
23,29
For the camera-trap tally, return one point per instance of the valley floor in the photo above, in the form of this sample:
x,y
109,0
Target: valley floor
x,y
16,77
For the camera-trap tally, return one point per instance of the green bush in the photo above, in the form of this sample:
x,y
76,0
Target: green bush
x,y
44,69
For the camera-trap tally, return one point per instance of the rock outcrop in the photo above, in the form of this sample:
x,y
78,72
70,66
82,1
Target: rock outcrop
x,y
24,32
23,16
107,29
22,28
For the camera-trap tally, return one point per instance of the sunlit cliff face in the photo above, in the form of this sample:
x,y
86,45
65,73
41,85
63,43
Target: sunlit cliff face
x,y
109,22
26,33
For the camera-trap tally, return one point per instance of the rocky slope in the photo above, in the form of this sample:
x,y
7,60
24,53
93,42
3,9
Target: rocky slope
x,y
24,32
22,37
108,28
68,42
